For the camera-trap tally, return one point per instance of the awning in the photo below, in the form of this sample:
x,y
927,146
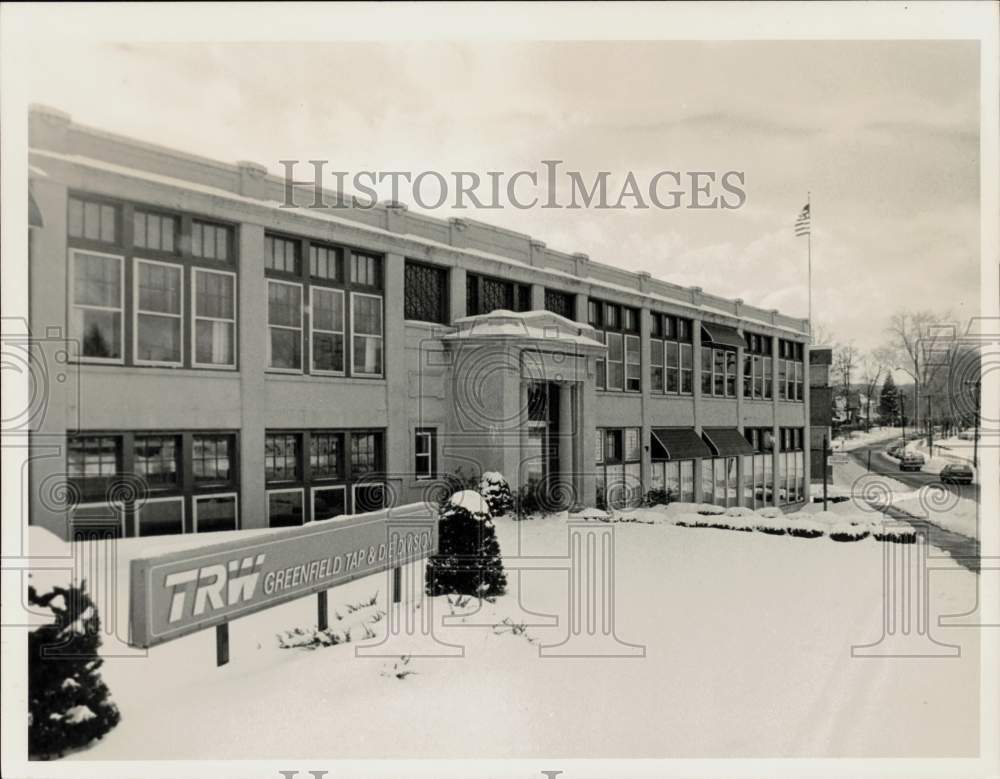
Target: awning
x,y
726,441
677,443
722,335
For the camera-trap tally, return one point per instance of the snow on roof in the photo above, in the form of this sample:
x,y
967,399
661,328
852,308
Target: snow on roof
x,y
123,170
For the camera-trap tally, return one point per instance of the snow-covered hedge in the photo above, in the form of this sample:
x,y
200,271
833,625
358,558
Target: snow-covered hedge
x,y
468,559
495,489
805,528
847,531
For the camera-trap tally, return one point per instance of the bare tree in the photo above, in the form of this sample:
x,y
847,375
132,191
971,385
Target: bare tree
x,y
820,335
916,339
845,358
872,366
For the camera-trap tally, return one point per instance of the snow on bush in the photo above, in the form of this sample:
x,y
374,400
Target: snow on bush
x,y
770,512
738,511
775,526
69,706
496,491
847,531
805,528
468,558
895,534
709,509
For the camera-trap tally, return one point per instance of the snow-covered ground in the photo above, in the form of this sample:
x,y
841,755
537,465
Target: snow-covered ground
x,y
858,438
934,503
747,642
946,452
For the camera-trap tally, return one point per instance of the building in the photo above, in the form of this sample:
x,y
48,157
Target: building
x,y
238,364
820,409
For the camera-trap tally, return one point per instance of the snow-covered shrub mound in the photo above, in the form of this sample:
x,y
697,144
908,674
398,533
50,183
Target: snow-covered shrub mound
x,y
738,511
847,531
496,491
710,509
591,513
805,528
743,522
69,706
774,526
770,512
690,520
895,534
468,558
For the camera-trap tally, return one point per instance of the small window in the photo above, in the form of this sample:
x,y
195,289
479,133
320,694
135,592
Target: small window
x,y
210,241
633,367
156,460
285,507
631,320
612,316
425,293
425,453
366,453
594,313
159,305
281,254
656,364
324,262
687,368
281,457
154,231
559,302
97,305
632,447
160,517
213,459
326,455
93,220
672,366
366,269
284,320
616,362
214,313
328,502
214,513
92,462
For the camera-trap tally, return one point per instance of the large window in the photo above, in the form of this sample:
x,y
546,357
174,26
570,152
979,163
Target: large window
x,y
343,473
718,371
190,478
168,259
426,293
791,465
484,294
98,303
618,326
284,325
320,322
756,356
159,312
618,481
671,356
719,481
791,370
676,477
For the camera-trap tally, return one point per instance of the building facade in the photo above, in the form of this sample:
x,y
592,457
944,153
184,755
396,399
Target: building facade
x,y
241,364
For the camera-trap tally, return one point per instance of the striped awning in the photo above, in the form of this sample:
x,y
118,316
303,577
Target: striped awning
x,y
722,335
726,441
676,443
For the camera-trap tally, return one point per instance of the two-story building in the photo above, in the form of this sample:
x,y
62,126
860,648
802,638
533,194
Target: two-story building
x,y
239,364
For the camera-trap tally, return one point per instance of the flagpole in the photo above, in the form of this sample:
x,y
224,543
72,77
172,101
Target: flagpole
x,y
809,260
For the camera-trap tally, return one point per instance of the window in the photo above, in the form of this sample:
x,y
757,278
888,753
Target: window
x,y
558,302
426,293
328,502
594,314
791,370
687,368
768,377
98,302
281,254
213,513
366,453
366,332
154,231
425,452
616,361
656,365
782,379
366,269
672,350
630,320
281,457
159,305
214,313
484,294
284,320
157,460
327,336
718,372
667,333
618,479
324,262
92,462
633,368
730,374
213,459
93,220
756,379
210,241
326,455
285,507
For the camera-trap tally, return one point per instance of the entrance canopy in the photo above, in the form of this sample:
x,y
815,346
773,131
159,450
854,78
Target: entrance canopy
x,y
676,443
727,441
722,335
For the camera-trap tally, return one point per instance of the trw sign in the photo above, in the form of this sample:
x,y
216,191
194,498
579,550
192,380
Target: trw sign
x,y
175,594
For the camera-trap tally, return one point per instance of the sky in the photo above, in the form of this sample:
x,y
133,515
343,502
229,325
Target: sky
x,y
883,135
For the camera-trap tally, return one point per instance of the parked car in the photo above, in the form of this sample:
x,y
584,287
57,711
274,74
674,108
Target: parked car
x,y
911,461
957,473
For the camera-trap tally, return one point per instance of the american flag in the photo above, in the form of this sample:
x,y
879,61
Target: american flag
x,y
802,223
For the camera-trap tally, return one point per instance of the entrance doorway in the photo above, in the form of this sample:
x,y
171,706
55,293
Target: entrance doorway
x,y
541,457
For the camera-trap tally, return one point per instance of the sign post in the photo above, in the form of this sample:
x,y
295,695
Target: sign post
x,y
179,593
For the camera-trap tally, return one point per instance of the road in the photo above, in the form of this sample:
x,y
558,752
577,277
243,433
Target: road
x,y
880,463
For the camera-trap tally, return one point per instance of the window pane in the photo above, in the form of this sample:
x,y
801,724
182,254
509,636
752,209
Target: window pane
x,y
367,315
367,355
211,459
159,288
328,309
76,218
215,295
327,352
107,224
100,332
284,305
97,280
216,513
161,518
328,503
284,509
158,338
92,221
426,293
214,343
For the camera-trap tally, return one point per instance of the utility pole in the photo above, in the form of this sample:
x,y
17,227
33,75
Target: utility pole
x,y
978,384
930,426
902,415
825,453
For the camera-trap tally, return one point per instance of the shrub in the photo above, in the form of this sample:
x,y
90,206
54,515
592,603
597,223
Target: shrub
x,y
771,526
894,534
495,489
468,560
69,706
846,531
805,528
527,501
